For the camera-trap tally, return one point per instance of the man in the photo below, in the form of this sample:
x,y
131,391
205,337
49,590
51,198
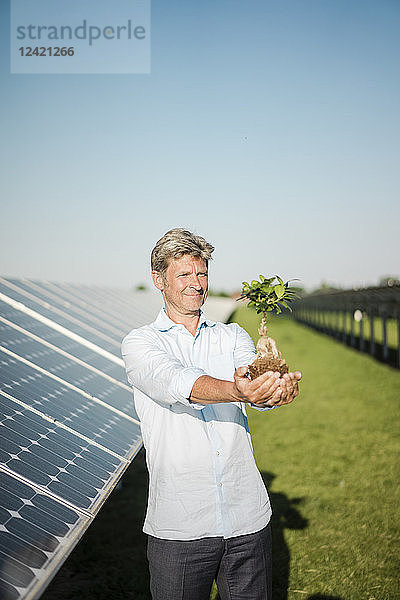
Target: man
x,y
208,510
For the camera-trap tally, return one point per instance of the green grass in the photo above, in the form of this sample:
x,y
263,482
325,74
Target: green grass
x,y
330,464
331,461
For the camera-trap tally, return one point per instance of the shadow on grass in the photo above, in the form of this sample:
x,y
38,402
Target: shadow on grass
x,y
286,515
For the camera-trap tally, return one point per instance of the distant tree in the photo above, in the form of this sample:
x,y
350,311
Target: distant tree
x,y
325,287
299,290
220,294
389,280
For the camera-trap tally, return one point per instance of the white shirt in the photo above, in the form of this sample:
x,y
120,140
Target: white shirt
x,y
203,478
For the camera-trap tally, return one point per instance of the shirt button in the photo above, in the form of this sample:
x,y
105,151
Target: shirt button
x,y
217,453
220,484
211,424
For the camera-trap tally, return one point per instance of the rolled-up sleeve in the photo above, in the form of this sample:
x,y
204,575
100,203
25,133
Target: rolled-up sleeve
x,y
244,352
155,372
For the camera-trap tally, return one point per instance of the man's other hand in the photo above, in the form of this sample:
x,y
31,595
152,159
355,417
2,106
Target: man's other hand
x,y
268,389
289,384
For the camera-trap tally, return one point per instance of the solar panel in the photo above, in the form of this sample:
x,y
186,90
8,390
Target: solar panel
x,y
111,309
59,461
18,317
59,401
68,428
91,317
77,374
34,530
131,307
61,317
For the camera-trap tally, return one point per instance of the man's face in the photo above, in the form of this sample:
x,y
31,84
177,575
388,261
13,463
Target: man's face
x,y
185,284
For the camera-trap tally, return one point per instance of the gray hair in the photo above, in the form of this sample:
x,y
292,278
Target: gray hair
x,y
175,244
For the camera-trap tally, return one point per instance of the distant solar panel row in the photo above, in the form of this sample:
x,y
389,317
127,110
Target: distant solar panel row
x,y
68,428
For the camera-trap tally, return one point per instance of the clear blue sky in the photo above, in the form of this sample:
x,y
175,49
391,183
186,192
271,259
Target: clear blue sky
x,y
269,127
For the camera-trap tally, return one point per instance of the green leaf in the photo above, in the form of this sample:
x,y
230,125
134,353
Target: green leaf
x,y
266,296
267,289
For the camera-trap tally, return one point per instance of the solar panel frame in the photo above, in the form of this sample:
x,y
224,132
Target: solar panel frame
x,y
65,428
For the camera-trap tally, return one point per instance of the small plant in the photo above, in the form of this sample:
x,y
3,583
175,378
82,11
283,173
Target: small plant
x,y
266,296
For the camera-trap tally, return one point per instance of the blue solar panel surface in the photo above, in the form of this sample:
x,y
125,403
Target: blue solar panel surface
x,y
75,373
68,427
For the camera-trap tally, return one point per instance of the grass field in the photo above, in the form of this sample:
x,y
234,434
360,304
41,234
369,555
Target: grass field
x,y
330,462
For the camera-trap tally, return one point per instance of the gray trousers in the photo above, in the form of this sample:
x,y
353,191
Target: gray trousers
x,y
185,570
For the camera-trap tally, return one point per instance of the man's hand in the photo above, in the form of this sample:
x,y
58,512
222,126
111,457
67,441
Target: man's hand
x,y
289,384
269,389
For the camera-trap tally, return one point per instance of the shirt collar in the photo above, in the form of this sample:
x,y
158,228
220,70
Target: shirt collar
x,y
164,323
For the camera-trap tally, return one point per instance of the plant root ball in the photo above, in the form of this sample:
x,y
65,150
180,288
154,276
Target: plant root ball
x,y
267,363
